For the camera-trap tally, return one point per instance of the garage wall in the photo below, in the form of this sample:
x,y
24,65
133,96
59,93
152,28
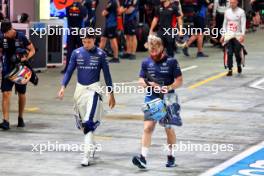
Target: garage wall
x,y
19,6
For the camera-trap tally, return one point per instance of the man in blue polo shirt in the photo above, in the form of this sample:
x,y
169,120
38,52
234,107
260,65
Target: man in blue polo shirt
x,y
168,76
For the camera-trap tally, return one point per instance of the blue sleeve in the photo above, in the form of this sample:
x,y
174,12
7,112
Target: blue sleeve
x,y
176,69
25,41
142,70
107,74
70,70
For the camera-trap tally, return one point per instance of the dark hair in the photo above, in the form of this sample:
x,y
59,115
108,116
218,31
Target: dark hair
x,y
6,26
23,18
88,36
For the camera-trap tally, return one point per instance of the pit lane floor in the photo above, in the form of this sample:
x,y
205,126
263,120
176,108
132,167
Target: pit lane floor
x,y
215,109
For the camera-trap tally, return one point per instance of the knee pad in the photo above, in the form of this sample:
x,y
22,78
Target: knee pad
x,y
90,126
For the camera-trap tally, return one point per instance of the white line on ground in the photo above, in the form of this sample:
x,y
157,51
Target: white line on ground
x,y
189,68
183,70
256,84
233,160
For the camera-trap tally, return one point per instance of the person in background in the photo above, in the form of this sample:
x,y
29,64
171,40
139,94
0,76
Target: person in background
x,y
110,32
234,28
130,9
220,6
165,14
10,41
200,24
76,14
91,6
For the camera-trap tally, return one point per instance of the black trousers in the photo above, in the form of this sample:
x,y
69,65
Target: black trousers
x,y
168,42
219,19
233,47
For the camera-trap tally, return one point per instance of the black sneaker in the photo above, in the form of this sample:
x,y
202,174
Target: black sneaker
x,y
171,162
140,161
229,73
114,60
239,69
125,56
5,125
201,54
20,122
185,51
132,57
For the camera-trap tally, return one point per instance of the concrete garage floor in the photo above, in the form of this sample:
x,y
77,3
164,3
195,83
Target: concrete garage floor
x,y
221,111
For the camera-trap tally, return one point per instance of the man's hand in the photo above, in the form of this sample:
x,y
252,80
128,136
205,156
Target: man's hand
x,y
241,39
112,101
23,59
210,6
222,39
61,93
121,10
104,13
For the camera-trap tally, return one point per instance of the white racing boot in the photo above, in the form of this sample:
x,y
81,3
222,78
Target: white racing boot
x,y
88,149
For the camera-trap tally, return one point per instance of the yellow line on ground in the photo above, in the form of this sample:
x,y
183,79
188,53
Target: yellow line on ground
x,y
200,83
33,109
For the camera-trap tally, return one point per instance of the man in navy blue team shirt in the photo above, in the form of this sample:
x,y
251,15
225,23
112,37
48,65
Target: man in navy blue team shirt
x,y
167,74
10,41
89,60
110,31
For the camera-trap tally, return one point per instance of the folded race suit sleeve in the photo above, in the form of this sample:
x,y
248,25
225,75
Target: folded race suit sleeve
x,y
88,104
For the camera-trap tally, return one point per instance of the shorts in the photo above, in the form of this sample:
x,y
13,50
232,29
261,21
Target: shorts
x,y
7,86
130,27
110,32
199,22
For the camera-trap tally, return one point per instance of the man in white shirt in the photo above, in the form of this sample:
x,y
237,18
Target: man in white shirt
x,y
234,28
